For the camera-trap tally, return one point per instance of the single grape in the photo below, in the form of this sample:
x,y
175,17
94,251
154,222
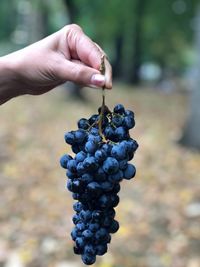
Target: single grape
x,y
88,259
83,124
119,109
129,172
64,160
110,165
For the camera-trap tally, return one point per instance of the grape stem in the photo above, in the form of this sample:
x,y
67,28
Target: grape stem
x,y
102,70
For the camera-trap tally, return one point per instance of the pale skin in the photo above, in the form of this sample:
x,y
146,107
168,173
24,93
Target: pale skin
x,y
66,55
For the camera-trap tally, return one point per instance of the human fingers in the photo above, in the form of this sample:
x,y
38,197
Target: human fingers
x,y
81,47
78,72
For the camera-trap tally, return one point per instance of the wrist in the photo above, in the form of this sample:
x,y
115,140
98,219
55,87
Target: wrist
x,y
9,86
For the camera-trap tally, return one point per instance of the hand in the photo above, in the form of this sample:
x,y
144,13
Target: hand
x,y
67,55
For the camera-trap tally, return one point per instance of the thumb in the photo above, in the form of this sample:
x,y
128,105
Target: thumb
x,y
81,74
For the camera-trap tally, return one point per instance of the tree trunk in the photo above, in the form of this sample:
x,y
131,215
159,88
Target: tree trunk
x,y
117,64
38,21
131,73
191,132
137,53
73,12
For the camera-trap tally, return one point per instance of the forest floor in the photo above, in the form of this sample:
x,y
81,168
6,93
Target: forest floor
x,y
159,211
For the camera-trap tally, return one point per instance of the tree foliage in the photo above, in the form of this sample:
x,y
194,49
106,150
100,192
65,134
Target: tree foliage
x,y
131,31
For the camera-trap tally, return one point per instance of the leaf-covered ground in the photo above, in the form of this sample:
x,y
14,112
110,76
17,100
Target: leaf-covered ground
x,y
159,212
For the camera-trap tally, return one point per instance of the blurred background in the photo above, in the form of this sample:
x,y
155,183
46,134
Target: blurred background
x,y
154,48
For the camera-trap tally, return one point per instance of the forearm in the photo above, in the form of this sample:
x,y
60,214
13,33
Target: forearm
x,y
67,55
8,79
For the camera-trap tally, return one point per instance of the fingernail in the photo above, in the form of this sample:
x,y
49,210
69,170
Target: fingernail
x,y
98,80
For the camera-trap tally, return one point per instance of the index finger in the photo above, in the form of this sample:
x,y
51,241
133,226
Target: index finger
x,y
81,47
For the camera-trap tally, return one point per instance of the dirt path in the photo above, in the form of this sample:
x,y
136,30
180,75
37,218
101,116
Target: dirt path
x,y
159,212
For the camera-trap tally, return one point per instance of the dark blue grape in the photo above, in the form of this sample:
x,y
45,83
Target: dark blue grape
x,y
106,186
77,206
101,250
87,178
104,201
132,145
111,213
120,133
107,147
75,234
77,186
69,185
107,221
119,152
96,215
91,146
94,227
80,227
90,164
75,196
130,155
80,136
86,215
114,227
94,188
93,119
78,251
109,132
110,165
88,259
99,175
124,144
119,109
129,113
117,121
114,200
101,234
123,164
107,239
84,198
129,122
90,249
80,168
83,124
94,131
70,138
80,156
100,155
116,177
129,172
96,139
71,165
64,160
87,234
80,243
71,175
116,188
75,218
75,148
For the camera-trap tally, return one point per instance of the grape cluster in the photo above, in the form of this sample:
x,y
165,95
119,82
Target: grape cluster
x,y
102,147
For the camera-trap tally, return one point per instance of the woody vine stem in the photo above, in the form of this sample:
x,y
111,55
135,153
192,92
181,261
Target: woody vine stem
x,y
102,70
